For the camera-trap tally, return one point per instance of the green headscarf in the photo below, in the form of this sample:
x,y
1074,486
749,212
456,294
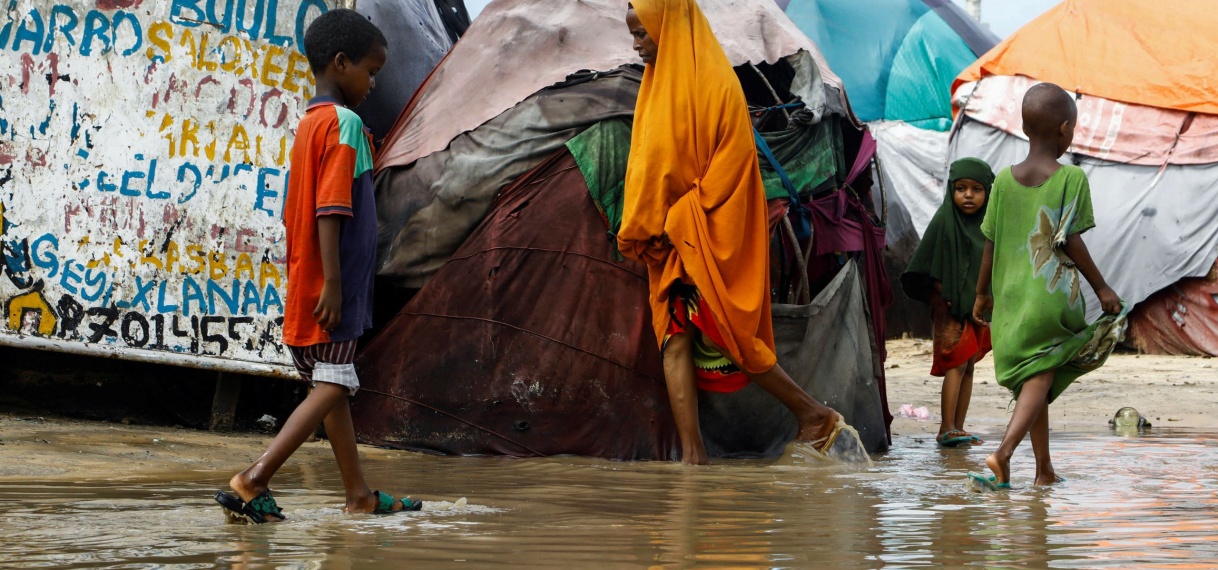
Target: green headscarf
x,y
951,248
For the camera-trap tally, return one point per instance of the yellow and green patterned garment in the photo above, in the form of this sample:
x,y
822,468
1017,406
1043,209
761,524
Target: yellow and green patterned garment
x,y
1039,322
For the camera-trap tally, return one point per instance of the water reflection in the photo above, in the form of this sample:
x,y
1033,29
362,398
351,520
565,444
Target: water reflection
x,y
1143,501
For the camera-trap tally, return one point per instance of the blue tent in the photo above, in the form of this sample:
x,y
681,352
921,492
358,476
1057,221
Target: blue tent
x,y
897,58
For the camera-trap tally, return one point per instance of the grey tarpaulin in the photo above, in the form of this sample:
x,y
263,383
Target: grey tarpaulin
x,y
827,349
428,209
1153,226
418,41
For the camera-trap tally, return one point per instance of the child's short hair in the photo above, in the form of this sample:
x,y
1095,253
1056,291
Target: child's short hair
x,y
340,31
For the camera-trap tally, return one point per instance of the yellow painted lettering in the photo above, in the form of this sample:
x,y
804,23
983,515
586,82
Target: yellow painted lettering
x,y
218,267
298,68
204,64
210,149
239,140
159,35
267,271
244,265
190,134
230,46
269,68
148,256
192,48
195,253
172,257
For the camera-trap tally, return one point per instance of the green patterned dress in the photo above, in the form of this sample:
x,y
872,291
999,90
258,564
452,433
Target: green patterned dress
x,y
1039,322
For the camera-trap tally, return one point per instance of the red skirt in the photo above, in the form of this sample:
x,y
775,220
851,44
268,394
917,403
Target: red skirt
x,y
689,314
956,342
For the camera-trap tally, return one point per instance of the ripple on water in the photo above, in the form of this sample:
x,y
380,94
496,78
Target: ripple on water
x,y
1128,502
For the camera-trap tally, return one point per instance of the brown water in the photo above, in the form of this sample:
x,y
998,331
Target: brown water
x,y
1149,501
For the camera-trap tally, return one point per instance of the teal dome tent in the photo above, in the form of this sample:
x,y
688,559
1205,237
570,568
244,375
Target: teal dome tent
x,y
897,58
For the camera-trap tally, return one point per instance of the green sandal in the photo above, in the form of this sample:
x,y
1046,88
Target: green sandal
x,y
385,501
979,482
256,511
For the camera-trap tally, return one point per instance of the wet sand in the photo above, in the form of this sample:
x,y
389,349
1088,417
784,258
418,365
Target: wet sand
x,y
1173,392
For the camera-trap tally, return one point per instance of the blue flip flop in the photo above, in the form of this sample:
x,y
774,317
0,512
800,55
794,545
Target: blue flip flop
x,y
979,482
945,441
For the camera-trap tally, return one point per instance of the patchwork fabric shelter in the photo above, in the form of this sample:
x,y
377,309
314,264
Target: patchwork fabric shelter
x,y
419,37
898,59
1147,136
529,334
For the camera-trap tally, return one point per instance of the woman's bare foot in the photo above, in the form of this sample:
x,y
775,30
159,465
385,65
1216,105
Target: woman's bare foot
x,y
695,455
1001,469
818,428
247,490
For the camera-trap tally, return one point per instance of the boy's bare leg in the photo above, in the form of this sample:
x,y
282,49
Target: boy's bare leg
x,y
816,420
965,396
1045,474
341,431
949,399
683,397
1029,405
300,425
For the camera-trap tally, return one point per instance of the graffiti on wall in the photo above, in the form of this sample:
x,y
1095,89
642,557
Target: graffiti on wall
x,y
143,167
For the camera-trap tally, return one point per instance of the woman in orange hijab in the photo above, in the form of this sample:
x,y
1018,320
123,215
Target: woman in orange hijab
x,y
695,213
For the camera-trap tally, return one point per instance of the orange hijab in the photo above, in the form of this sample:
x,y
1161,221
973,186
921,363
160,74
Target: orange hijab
x,y
693,175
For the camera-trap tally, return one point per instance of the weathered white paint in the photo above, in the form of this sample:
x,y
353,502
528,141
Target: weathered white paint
x,y
143,163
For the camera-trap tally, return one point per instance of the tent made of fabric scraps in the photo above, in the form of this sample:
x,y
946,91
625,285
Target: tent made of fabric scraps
x,y
897,58
418,40
486,372
1146,136
517,47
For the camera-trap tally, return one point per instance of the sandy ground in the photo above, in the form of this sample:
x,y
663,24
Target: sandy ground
x,y
1173,392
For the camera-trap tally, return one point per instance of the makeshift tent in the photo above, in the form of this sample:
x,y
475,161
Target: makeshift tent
x,y
898,59
418,40
1147,136
529,335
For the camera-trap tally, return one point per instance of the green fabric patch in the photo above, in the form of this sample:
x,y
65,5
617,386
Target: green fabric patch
x,y
813,157
601,153
351,133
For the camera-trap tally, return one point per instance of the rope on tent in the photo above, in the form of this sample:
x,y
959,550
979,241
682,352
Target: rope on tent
x,y
455,417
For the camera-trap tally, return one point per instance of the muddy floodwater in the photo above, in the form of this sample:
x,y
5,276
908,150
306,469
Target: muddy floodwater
x,y
1132,502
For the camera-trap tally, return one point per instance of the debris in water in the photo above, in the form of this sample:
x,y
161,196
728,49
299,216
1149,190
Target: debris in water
x,y
909,411
266,422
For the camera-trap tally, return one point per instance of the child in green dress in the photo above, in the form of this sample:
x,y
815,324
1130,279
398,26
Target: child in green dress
x,y
1034,256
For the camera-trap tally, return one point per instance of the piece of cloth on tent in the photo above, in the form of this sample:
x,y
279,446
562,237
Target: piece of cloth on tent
x,y
455,17
922,72
427,210
951,248
695,208
418,41
811,154
1179,320
1039,320
877,46
1146,53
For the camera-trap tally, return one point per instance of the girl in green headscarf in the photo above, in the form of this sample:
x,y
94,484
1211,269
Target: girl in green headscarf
x,y
943,273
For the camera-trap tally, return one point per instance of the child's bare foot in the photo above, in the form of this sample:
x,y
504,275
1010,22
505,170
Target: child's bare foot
x,y
1047,477
370,502
1001,468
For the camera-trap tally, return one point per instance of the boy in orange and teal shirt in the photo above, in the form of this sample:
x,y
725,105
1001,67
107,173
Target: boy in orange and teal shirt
x,y
330,214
